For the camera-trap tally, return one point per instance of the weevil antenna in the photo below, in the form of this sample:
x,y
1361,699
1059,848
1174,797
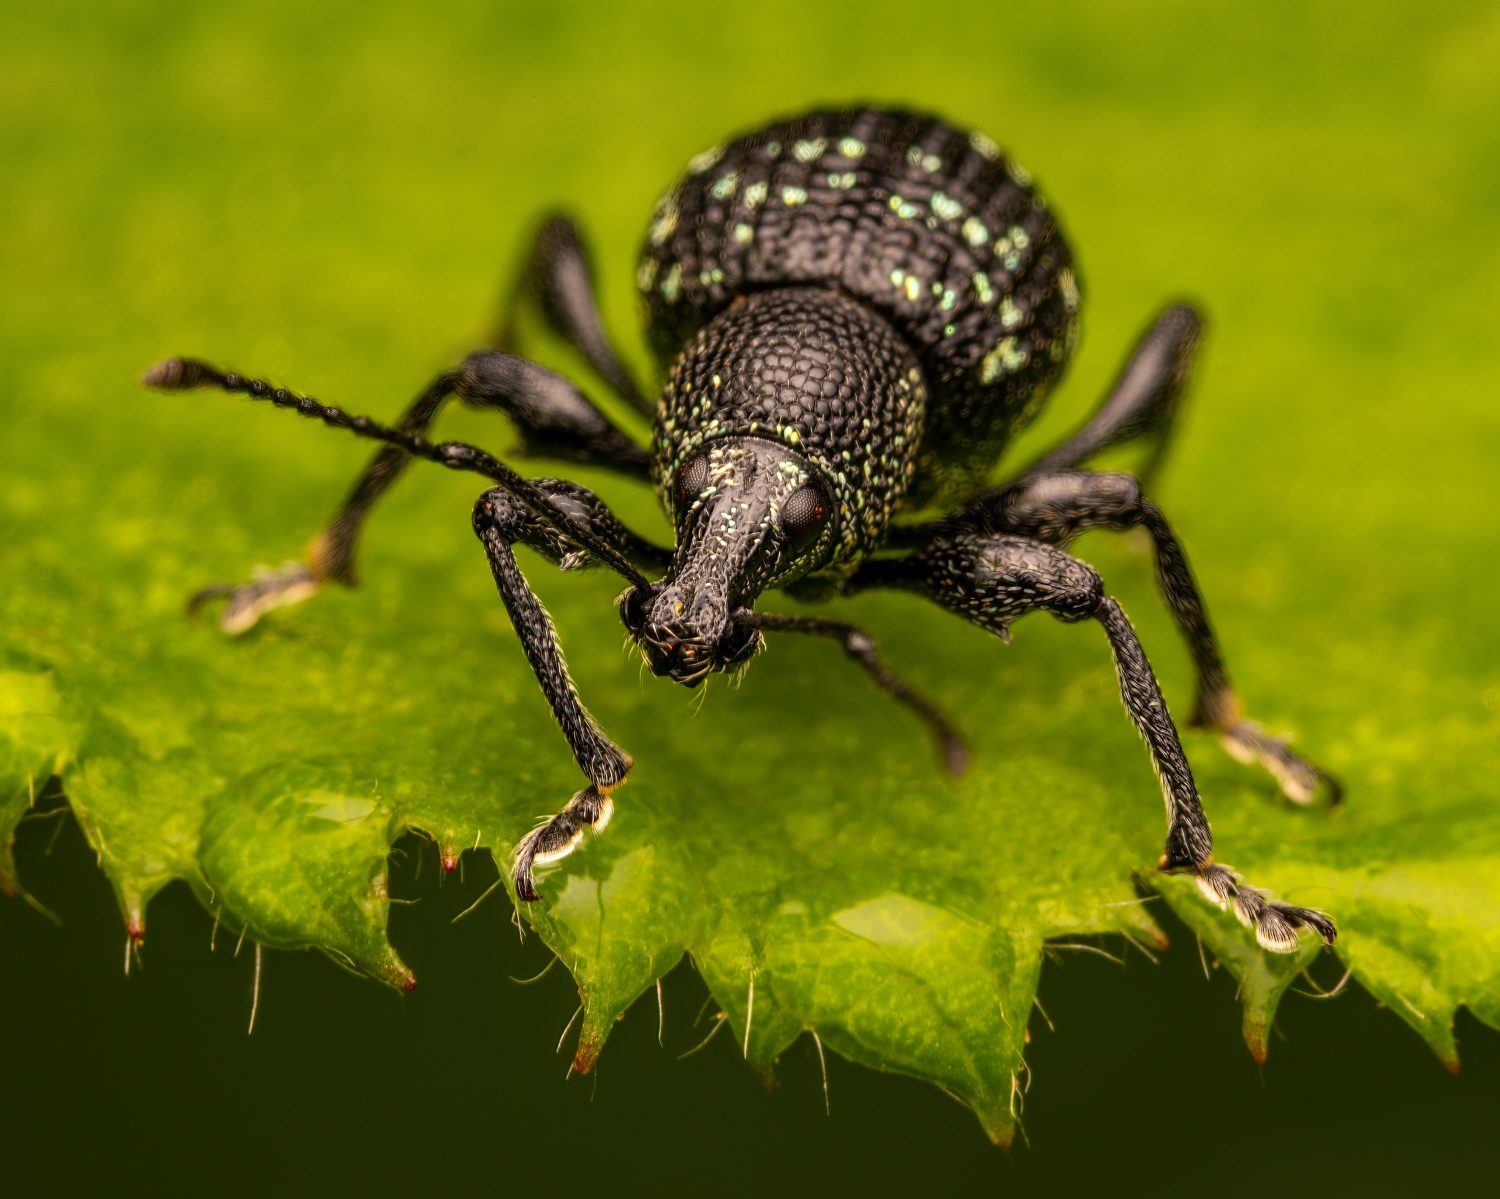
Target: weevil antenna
x,y
186,374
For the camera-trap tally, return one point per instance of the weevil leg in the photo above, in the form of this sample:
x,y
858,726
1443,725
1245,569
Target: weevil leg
x,y
559,278
562,520
861,648
992,579
554,420
1144,400
500,521
1056,508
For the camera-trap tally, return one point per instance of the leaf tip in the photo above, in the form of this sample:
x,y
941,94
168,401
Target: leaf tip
x,y
398,975
587,1052
1255,1028
1000,1128
591,1037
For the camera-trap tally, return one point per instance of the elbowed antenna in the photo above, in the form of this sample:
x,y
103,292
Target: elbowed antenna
x,y
187,374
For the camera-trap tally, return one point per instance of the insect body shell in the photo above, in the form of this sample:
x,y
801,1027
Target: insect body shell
x,y
929,226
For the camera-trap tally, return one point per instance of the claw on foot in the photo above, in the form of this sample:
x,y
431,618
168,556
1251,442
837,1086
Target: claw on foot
x,y
1276,924
1298,778
248,602
560,836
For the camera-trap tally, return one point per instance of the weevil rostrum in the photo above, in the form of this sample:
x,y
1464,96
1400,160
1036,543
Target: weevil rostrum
x,y
855,313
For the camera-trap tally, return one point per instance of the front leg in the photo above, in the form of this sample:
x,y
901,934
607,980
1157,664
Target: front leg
x,y
993,579
860,647
500,521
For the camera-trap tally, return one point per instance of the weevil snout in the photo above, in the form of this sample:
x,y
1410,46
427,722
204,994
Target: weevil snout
x,y
685,632
686,635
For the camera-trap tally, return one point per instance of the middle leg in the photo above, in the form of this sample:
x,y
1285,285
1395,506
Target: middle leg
x,y
993,579
554,418
1055,508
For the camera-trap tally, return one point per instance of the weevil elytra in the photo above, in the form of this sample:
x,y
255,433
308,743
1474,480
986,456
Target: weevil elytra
x,y
855,312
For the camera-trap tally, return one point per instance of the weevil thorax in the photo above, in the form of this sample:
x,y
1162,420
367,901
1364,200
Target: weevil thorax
x,y
785,439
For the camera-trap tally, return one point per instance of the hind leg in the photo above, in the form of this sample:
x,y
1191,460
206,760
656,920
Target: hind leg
x,y
1144,400
559,278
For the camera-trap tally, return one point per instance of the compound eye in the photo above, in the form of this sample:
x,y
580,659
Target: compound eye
x,y
692,477
803,516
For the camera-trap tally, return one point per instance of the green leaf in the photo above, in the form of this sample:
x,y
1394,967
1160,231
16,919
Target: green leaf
x,y
793,837
37,740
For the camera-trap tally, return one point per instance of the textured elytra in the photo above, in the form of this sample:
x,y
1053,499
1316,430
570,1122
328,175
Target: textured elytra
x,y
929,225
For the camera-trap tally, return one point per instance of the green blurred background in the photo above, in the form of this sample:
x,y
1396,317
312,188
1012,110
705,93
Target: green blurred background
x,y
332,193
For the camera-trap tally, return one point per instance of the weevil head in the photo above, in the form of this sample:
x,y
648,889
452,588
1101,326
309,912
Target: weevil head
x,y
749,514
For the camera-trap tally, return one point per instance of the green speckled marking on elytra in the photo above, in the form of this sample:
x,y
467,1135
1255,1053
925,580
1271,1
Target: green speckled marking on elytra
x,y
982,287
665,223
985,147
1007,358
671,285
724,186
809,150
792,196
851,147
904,208
755,194
1010,315
743,234
946,207
975,232
704,161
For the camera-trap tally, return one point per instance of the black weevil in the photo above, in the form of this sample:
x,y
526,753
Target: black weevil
x,y
856,311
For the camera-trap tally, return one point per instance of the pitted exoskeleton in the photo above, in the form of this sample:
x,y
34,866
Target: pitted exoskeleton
x,y
855,313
